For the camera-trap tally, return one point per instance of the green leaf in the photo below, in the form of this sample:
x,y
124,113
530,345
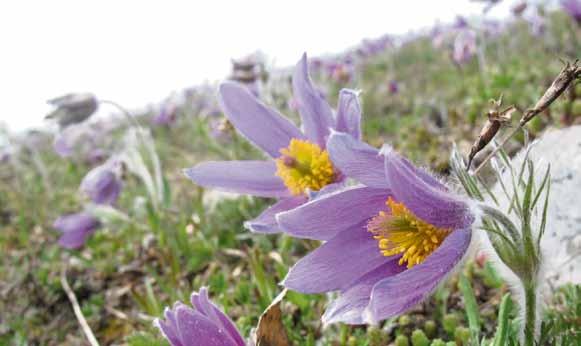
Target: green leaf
x,y
472,311
503,327
542,187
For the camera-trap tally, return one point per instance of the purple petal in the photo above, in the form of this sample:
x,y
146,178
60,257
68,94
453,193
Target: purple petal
x,y
102,185
208,309
61,146
75,228
350,305
325,217
328,189
316,114
395,295
168,327
197,330
357,160
266,222
418,171
263,126
435,206
337,263
247,177
349,113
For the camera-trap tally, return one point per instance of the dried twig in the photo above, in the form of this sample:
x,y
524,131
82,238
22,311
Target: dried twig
x,y
496,119
77,309
568,74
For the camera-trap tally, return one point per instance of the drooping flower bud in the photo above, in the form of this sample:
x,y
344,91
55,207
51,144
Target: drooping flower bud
x,y
75,229
72,108
102,184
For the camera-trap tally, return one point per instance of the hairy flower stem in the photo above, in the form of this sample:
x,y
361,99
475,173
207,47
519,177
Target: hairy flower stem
x,y
530,313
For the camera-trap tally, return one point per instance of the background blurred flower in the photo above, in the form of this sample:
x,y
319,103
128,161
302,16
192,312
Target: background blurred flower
x,y
342,73
202,325
388,244
464,47
393,87
72,108
86,142
573,8
166,116
103,184
537,23
75,229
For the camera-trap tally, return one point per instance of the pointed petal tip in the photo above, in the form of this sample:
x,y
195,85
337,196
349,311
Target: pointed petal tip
x,y
368,316
192,173
386,150
156,323
254,227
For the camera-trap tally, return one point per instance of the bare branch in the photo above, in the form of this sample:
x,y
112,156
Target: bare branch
x,y
569,73
77,310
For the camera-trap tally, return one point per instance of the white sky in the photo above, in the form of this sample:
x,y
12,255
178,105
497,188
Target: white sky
x,y
136,52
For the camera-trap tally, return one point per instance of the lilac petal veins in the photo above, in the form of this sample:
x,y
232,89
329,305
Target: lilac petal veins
x,y
261,125
335,264
316,114
437,207
325,217
415,284
349,307
357,160
266,222
249,177
349,113
196,329
75,228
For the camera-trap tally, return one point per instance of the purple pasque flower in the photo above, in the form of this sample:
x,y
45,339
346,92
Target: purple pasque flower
x,y
81,141
299,163
75,229
342,72
203,324
166,116
103,183
537,23
388,243
96,156
393,87
464,47
573,8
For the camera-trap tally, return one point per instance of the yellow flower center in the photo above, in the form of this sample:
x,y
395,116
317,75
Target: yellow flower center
x,y
304,165
400,231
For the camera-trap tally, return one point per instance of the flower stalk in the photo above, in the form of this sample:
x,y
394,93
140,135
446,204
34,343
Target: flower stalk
x,y
509,216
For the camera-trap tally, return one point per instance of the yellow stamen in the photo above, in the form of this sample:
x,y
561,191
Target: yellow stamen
x,y
400,231
304,165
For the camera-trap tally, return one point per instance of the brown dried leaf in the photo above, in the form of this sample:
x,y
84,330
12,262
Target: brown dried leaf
x,y
496,119
568,74
270,330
